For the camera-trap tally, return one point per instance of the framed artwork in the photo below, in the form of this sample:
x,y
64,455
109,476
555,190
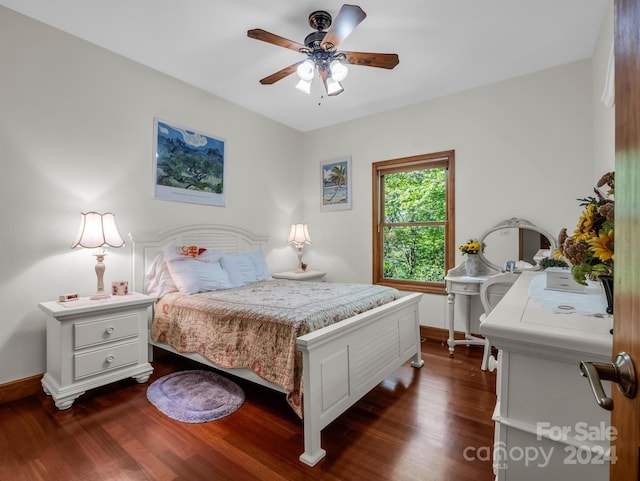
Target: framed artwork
x,y
188,166
336,184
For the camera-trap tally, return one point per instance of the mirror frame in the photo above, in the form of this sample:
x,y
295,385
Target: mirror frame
x,y
514,222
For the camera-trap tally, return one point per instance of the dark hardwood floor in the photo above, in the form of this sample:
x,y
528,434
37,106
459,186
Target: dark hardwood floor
x,y
419,424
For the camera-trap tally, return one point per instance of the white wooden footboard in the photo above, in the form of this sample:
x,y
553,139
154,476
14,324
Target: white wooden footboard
x,y
344,361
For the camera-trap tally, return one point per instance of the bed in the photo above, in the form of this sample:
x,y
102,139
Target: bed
x,y
340,362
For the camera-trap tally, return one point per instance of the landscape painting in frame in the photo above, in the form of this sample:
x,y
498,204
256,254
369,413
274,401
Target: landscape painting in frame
x,y
188,165
336,184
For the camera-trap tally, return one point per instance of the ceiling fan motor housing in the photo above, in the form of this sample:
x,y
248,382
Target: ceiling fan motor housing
x,y
320,20
314,39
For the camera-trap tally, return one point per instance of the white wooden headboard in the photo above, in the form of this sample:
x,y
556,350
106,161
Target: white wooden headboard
x,y
227,238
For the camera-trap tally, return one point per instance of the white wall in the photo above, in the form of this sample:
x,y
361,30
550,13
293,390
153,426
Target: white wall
x,y
76,134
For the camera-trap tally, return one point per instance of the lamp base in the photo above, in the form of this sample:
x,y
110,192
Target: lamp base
x,y
100,295
100,292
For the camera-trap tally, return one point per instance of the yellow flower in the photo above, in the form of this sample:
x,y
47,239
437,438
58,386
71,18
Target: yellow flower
x,y
584,229
602,246
471,247
590,248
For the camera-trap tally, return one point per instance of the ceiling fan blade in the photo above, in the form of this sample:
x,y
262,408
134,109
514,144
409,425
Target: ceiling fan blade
x,y
280,74
367,59
268,37
349,17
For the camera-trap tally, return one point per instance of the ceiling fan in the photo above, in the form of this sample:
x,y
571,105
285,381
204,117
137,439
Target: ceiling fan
x,y
320,47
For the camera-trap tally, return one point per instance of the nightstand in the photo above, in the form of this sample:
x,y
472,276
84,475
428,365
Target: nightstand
x,y
91,343
300,276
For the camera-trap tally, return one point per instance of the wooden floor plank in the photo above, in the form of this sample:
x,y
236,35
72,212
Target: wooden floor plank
x,y
416,425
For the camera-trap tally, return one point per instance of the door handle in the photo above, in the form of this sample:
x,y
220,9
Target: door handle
x,y
620,371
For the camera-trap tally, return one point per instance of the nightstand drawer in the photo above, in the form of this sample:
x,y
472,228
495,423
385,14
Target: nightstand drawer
x,y
105,330
94,362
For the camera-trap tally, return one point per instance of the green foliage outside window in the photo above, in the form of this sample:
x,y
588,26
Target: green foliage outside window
x,y
414,225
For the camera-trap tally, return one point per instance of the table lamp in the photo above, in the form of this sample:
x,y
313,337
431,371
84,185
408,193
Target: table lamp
x,y
97,231
298,236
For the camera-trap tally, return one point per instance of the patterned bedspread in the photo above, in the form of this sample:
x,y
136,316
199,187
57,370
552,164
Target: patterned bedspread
x,y
256,326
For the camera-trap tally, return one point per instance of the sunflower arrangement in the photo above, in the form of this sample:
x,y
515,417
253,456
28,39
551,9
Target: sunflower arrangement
x,y
590,249
471,247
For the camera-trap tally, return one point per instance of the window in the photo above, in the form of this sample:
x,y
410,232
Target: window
x,y
413,223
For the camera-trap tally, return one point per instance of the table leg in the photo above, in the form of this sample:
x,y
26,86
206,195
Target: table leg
x,y
467,321
451,300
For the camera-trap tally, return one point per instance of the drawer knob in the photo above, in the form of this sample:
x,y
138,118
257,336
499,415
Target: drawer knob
x,y
110,330
110,358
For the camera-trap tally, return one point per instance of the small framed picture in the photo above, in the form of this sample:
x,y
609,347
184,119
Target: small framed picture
x,y
119,288
335,184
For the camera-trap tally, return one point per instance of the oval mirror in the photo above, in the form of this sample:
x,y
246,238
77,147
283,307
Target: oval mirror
x,y
516,240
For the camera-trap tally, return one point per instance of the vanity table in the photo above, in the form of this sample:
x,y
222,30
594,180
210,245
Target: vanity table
x,y
513,239
545,410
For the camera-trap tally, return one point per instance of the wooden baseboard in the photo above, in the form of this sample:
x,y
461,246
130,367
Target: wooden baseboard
x,y
434,334
21,388
437,334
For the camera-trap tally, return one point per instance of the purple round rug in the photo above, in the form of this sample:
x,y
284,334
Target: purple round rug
x,y
195,396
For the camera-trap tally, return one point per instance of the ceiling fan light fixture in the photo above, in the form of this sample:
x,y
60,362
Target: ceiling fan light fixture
x,y
333,86
339,71
305,69
304,86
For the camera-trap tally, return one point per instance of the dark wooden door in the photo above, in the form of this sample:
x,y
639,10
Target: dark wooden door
x,y
626,336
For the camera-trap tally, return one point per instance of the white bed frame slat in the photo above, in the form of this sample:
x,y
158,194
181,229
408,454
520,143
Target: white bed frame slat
x,y
341,362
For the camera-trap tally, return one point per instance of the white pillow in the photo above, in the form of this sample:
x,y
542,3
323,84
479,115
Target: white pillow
x,y
260,264
245,267
200,274
240,269
211,276
192,276
160,280
210,255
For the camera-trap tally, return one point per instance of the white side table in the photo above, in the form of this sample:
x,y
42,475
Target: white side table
x,y
466,286
300,276
91,343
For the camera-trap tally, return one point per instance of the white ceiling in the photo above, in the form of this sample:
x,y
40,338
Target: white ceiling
x,y
444,46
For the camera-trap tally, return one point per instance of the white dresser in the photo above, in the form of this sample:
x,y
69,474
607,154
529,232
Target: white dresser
x,y
95,342
547,423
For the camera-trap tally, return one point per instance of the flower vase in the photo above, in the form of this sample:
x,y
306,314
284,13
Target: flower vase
x,y
607,284
472,265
